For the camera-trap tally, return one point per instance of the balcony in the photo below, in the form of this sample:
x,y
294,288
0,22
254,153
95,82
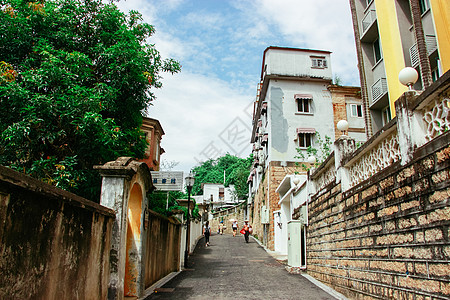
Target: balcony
x,y
431,43
379,89
368,26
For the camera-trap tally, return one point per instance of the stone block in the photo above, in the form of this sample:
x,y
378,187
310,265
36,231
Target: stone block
x,y
419,237
410,204
404,174
375,228
406,223
389,226
403,191
430,286
389,266
439,270
443,155
387,211
441,176
369,192
432,235
395,239
386,183
421,185
420,269
412,252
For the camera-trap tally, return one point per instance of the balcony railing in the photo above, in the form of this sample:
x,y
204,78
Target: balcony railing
x,y
431,43
379,89
368,20
393,143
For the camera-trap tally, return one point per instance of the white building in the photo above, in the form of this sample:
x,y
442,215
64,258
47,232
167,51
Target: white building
x,y
295,103
219,196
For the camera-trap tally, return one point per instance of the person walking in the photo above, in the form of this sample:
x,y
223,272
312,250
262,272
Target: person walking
x,y
247,230
235,226
206,233
221,227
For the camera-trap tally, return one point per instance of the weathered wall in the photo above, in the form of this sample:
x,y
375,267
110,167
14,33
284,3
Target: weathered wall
x,y
389,236
54,244
163,247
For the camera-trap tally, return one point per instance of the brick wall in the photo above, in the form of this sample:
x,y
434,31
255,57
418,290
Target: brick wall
x,y
387,237
267,195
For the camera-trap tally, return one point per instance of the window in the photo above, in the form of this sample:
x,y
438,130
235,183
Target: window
x,y
155,180
357,110
424,6
164,180
173,181
319,62
377,50
303,102
386,115
303,105
304,140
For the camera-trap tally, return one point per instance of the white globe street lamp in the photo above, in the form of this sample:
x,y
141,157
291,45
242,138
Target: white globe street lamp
x,y
342,125
408,77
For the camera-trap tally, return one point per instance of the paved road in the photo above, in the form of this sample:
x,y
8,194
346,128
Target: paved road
x,y
233,269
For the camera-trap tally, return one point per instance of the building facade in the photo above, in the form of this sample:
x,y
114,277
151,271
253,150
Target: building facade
x,y
391,35
294,109
153,134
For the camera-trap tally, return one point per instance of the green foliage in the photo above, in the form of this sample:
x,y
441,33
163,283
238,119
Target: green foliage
x,y
164,202
75,78
236,170
321,153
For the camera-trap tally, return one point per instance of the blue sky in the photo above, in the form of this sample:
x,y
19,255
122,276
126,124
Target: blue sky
x,y
206,109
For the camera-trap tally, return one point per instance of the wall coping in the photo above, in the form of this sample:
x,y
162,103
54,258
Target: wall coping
x,y
25,182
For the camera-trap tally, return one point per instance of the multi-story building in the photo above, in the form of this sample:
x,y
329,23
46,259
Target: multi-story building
x,y
391,35
294,106
153,134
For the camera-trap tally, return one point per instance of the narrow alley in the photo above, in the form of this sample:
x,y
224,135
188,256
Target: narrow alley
x,y
231,269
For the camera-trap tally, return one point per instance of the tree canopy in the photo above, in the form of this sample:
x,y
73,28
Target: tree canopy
x,y
75,79
236,171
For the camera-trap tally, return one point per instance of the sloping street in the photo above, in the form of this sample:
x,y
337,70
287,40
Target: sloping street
x,y
232,269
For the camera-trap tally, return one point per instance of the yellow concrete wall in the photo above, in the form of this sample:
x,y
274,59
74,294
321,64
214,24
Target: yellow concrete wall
x,y
391,45
441,18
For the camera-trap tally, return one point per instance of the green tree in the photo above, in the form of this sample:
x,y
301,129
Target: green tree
x,y
321,153
165,202
75,79
236,172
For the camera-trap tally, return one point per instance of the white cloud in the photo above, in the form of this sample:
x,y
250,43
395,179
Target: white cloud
x,y
221,52
321,24
194,110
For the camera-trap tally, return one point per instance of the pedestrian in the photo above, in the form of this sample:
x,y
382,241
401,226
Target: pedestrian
x,y
221,227
235,226
247,230
206,233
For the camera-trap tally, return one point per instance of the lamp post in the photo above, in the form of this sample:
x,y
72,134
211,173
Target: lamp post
x,y
189,183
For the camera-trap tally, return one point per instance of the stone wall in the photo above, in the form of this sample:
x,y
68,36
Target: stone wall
x,y
236,213
54,244
267,195
259,201
387,237
163,247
